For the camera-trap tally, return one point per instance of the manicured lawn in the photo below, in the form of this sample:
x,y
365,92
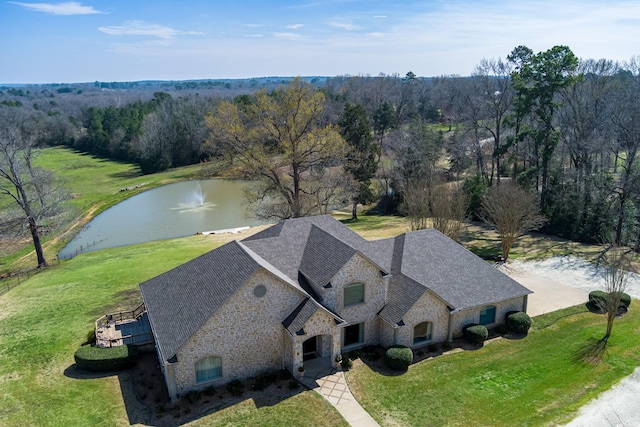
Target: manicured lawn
x,y
532,381
45,319
95,185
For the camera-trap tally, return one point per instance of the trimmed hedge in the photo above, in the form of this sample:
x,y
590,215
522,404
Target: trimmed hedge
x,y
518,322
598,298
106,359
598,301
625,299
475,334
398,357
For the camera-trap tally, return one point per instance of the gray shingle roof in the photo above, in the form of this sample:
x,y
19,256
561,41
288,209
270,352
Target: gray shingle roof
x,y
324,255
299,316
284,248
181,300
457,276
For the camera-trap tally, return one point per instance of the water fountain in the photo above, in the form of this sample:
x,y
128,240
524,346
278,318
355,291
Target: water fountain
x,y
197,202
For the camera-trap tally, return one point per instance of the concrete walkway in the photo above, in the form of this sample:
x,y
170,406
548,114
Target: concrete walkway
x,y
331,384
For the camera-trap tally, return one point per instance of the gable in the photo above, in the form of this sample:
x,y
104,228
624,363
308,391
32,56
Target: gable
x,y
324,255
454,274
181,300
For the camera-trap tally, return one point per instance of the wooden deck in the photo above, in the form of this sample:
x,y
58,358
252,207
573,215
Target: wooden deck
x,y
130,327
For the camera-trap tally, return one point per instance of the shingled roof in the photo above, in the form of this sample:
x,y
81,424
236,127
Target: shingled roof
x,y
181,300
428,260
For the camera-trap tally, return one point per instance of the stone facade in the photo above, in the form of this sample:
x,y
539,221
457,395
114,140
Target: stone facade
x,y
428,308
472,315
323,326
359,270
246,333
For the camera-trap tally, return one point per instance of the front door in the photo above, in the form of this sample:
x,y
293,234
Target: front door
x,y
310,349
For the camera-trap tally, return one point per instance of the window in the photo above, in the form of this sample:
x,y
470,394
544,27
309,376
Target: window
x,y
488,315
208,369
353,294
422,332
353,334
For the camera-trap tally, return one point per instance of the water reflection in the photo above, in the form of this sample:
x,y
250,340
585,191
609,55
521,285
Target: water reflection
x,y
173,210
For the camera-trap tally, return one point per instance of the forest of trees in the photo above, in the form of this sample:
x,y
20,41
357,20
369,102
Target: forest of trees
x,y
566,130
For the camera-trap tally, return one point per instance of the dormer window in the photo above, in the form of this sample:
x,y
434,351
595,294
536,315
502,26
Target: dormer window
x,y
353,294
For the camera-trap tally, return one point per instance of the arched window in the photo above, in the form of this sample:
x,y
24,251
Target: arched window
x,y
422,332
208,369
488,315
353,294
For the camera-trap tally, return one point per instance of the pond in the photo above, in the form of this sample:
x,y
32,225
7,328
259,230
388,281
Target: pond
x,y
170,211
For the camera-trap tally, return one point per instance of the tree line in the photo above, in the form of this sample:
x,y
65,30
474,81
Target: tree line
x,y
563,129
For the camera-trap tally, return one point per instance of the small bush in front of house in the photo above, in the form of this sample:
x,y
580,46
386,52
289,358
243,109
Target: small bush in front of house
x,y
346,363
106,359
194,396
625,299
398,357
518,322
475,334
598,300
235,387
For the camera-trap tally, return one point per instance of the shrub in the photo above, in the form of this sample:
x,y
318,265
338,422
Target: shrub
x,y
518,322
599,299
91,336
625,299
346,363
106,359
475,334
194,396
235,387
398,357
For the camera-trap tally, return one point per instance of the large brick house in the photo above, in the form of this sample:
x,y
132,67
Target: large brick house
x,y
311,287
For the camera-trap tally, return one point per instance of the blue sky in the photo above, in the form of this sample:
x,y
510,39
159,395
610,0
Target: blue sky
x,y
127,40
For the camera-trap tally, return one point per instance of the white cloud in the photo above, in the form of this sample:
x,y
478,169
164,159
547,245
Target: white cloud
x,y
68,8
254,35
288,36
254,25
380,16
141,28
344,26
295,26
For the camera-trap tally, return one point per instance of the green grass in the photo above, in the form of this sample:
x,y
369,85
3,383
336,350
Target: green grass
x,y
44,320
532,381
95,185
304,409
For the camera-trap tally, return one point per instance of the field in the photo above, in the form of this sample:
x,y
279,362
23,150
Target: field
x,y
532,381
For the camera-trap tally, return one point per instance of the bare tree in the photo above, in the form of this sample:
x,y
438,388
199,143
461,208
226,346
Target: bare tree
x,y
34,190
415,203
448,210
512,211
281,143
617,265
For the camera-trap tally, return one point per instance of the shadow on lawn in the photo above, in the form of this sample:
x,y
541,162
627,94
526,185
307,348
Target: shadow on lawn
x,y
147,401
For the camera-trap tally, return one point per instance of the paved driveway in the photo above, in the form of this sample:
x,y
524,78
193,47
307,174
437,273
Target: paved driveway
x,y
619,405
548,294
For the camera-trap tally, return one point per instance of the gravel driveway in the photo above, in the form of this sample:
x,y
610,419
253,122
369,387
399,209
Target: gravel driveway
x,y
560,282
